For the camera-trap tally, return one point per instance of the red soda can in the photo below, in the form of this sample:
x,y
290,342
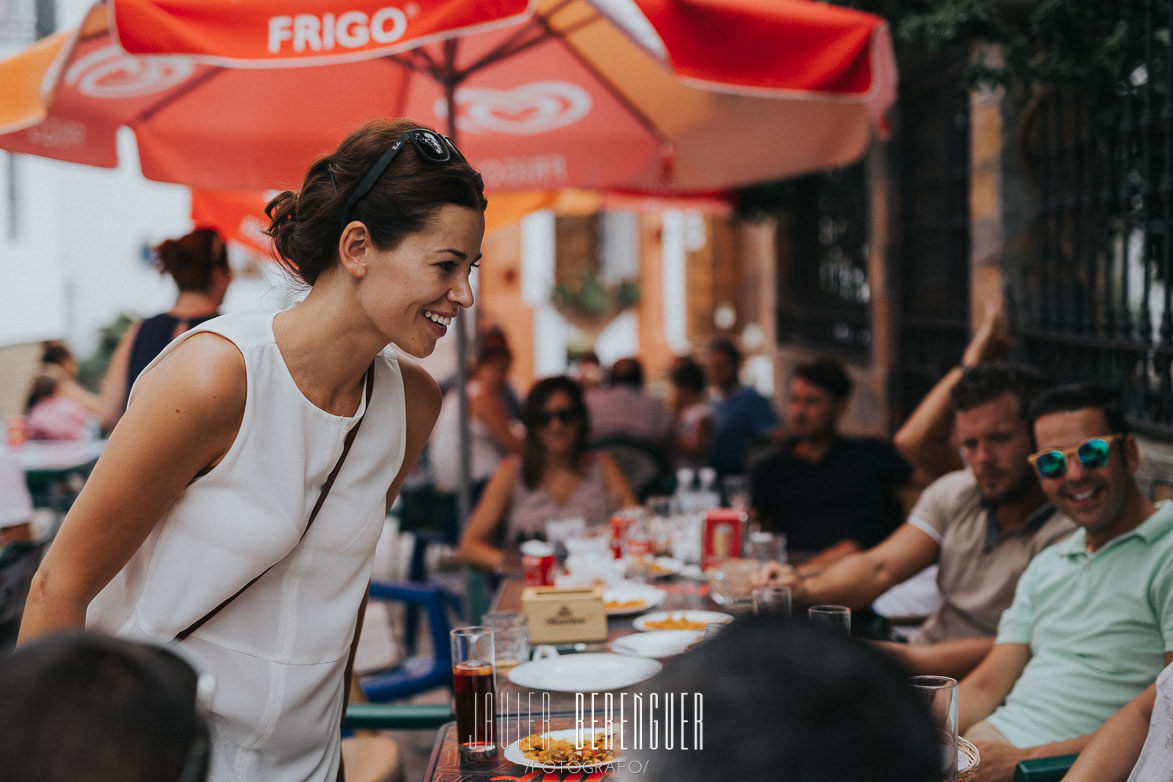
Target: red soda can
x,y
722,536
17,430
621,522
537,563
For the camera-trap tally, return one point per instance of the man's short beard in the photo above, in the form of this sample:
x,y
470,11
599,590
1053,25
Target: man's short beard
x,y
1015,491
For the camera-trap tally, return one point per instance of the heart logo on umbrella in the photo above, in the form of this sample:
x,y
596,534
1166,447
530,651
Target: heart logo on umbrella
x,y
110,72
525,110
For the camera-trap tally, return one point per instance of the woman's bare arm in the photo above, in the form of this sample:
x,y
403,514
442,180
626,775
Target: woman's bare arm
x,y
488,408
475,548
619,493
184,418
112,394
423,406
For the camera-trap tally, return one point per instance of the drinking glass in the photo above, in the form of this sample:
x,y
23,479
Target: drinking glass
x,y
772,600
474,690
767,546
835,618
736,490
940,696
510,639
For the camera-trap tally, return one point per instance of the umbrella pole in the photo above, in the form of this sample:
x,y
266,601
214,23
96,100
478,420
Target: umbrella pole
x,y
464,493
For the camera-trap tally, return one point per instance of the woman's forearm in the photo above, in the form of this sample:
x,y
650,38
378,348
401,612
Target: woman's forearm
x,y
48,610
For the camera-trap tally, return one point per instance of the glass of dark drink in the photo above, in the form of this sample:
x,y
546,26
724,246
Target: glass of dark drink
x,y
475,691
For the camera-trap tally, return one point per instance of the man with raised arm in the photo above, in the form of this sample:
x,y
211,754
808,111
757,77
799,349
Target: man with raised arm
x,y
1091,625
982,525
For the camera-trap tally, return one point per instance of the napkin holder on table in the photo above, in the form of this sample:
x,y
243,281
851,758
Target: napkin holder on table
x,y
559,615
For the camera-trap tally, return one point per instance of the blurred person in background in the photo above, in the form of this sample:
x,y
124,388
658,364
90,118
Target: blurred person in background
x,y
782,700
622,408
53,414
495,337
927,438
493,432
692,429
556,476
87,707
587,370
57,361
829,494
742,418
198,262
981,525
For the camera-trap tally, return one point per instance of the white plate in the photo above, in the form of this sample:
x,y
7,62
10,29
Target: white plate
x,y
656,643
666,566
647,597
584,672
514,754
704,617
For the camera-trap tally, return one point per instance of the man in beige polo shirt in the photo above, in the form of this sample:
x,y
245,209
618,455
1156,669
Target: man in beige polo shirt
x,y
981,525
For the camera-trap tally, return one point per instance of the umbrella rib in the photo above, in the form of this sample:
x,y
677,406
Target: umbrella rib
x,y
182,90
606,83
525,37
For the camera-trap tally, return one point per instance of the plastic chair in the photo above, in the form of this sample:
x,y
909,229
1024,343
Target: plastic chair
x,y
18,562
430,515
644,465
1049,769
416,673
397,716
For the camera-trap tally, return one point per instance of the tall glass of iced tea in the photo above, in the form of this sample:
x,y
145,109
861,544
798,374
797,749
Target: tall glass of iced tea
x,y
475,692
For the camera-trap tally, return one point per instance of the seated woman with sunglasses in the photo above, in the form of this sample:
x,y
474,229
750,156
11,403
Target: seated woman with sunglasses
x,y
210,519
556,477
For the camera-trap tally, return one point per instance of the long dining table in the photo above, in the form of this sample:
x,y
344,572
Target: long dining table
x,y
519,713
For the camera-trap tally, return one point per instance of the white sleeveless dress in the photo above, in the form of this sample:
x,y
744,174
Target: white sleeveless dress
x,y
278,651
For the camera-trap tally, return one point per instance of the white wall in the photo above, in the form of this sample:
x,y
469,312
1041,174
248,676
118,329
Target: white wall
x,y
73,240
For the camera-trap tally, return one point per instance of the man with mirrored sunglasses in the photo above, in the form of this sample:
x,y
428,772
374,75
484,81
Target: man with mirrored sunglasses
x,y
1091,625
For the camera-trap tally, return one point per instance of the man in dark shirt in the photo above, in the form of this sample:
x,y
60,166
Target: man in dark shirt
x,y
829,494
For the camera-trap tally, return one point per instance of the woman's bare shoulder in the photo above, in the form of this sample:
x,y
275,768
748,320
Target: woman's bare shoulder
x,y
206,370
421,389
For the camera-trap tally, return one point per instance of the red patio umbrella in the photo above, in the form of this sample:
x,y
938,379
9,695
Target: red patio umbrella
x,y
656,96
644,95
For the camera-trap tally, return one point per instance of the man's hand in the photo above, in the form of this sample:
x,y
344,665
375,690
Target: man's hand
x,y
992,338
998,761
776,574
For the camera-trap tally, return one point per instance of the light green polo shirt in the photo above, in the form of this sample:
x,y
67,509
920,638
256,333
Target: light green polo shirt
x,y
1098,626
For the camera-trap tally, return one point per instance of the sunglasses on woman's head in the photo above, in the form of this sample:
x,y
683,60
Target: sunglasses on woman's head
x,y
1092,453
430,145
563,414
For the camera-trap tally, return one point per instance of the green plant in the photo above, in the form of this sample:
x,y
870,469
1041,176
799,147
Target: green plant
x,y
586,297
92,369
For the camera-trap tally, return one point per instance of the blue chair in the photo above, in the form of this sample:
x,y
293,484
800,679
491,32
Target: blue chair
x,y
417,673
430,515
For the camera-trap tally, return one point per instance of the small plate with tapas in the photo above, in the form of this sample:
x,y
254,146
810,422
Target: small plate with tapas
x,y
679,620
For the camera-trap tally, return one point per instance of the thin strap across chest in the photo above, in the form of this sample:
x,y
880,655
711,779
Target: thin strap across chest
x,y
370,385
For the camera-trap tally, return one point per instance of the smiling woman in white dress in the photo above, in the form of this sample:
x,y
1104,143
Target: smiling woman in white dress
x,y
206,486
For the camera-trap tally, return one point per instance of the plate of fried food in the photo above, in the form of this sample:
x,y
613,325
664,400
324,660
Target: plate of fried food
x,y
662,567
679,620
631,597
557,750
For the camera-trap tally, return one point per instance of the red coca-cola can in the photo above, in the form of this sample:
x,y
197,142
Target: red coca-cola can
x,y
621,522
17,430
537,563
